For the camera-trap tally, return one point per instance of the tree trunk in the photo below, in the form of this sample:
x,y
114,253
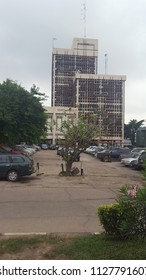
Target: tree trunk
x,y
68,166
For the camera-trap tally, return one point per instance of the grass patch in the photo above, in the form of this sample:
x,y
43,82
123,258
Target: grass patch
x,y
15,244
90,247
99,247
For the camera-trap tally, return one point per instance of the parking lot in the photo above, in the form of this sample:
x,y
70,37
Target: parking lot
x,y
46,202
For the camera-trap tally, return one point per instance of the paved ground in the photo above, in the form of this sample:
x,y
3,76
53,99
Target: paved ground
x,y
50,203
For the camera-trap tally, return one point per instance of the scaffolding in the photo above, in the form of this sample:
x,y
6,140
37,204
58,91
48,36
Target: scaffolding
x,y
82,58
75,83
103,98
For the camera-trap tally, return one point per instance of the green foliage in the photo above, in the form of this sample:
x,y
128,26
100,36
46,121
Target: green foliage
x,y
110,218
144,170
35,91
22,117
15,244
130,129
126,218
72,247
78,135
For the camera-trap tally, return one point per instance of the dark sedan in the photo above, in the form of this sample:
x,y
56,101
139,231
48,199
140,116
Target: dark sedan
x,y
14,166
112,153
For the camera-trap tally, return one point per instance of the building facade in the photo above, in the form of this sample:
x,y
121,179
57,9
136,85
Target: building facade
x,y
82,58
141,137
55,117
104,97
76,84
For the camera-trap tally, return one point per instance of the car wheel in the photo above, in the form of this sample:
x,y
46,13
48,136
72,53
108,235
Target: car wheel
x,y
106,159
12,176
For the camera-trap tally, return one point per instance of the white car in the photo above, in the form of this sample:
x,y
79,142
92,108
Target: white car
x,y
128,161
29,151
90,149
36,147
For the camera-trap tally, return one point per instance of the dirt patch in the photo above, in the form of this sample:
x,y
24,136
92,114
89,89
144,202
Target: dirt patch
x,y
40,251
31,253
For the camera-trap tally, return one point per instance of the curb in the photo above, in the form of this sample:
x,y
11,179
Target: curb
x,y
45,233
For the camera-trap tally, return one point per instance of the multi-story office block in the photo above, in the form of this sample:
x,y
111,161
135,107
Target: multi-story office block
x,y
76,84
82,58
104,97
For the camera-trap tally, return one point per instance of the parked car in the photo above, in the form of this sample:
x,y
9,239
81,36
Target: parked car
x,y
98,150
140,162
90,149
113,153
44,146
23,150
31,149
128,161
36,147
132,152
60,151
93,150
14,166
52,147
6,149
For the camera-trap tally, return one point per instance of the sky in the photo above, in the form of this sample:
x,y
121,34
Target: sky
x,y
27,29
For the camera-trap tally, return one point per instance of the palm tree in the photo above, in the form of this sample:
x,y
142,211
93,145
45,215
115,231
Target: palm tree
x,y
131,128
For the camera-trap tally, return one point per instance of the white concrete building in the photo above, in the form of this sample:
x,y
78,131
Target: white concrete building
x,y
56,115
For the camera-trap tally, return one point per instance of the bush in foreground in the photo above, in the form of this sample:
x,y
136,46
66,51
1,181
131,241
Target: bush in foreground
x,y
127,217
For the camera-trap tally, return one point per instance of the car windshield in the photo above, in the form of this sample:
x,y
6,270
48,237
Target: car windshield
x,y
135,155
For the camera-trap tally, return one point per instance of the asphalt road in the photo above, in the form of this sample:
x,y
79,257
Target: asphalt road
x,y
48,203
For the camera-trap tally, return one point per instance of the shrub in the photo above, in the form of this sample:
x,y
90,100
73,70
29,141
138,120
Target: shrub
x,y
127,217
110,218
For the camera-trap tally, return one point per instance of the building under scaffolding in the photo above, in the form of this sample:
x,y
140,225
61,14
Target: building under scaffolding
x,y
75,83
102,96
81,58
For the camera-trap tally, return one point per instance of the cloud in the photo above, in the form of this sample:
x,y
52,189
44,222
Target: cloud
x,y
27,29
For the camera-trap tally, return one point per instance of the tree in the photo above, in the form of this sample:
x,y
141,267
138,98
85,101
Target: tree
x,y
78,136
22,117
131,128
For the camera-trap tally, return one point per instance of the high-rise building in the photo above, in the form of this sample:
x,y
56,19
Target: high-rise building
x,y
81,58
102,96
76,83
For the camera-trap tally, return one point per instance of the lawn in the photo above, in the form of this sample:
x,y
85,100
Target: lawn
x,y
61,247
